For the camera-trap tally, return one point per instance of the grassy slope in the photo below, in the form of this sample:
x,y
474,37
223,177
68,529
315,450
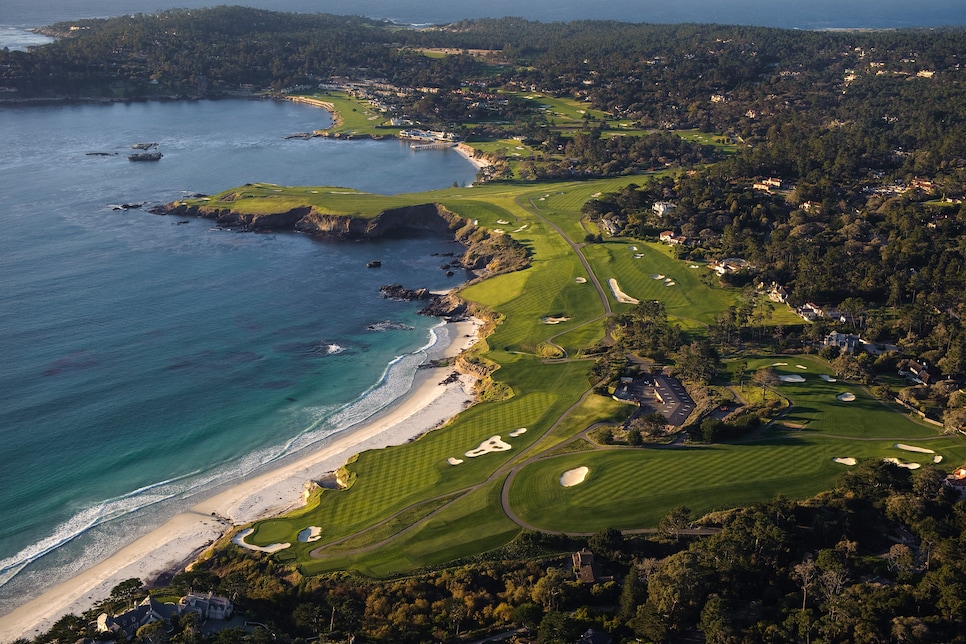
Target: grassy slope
x,y
447,512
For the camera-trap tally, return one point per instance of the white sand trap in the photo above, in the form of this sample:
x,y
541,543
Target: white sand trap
x,y
310,534
638,256
581,280
454,461
792,378
669,283
657,276
937,458
908,466
913,448
553,320
846,397
503,222
523,227
493,444
779,364
239,540
801,366
633,247
826,377
499,231
694,266
574,477
621,296
845,460
518,432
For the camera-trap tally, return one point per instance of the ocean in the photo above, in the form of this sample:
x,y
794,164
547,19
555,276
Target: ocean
x,y
18,16
146,361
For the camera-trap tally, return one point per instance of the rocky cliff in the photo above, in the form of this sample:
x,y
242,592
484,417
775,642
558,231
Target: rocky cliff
x,y
486,253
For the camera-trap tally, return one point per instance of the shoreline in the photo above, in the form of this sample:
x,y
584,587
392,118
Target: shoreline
x,y
428,405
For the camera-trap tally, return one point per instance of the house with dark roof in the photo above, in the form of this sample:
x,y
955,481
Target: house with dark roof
x,y
584,566
126,624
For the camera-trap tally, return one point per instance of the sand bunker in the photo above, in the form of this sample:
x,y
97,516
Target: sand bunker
x,y
937,458
518,432
801,366
845,460
913,448
826,377
792,378
657,276
239,540
503,222
493,444
581,280
553,320
621,296
694,266
638,256
908,466
310,534
669,283
779,364
846,397
523,227
633,247
574,477
454,461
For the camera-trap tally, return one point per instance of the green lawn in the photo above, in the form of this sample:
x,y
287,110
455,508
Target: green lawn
x,y
646,271
409,508
355,117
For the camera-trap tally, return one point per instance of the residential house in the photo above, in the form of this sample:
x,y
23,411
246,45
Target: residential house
x,y
767,185
584,566
776,292
917,372
810,312
668,237
126,624
207,605
663,207
957,481
595,637
729,265
846,342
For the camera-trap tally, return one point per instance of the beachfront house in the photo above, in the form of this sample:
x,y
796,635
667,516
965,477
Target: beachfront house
x,y
125,625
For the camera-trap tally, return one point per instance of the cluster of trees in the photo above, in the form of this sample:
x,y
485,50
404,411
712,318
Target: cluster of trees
x,y
878,558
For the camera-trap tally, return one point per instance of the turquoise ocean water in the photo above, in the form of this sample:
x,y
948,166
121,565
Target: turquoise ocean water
x,y
142,361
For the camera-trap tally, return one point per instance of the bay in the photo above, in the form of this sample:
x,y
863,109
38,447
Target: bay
x,y
146,362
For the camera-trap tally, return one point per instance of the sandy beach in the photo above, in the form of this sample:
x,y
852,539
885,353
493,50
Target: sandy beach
x,y
168,548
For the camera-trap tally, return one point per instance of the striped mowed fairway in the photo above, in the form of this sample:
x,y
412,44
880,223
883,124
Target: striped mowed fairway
x,y
628,488
409,508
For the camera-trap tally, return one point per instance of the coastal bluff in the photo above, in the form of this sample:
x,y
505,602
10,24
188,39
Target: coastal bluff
x,y
310,220
486,252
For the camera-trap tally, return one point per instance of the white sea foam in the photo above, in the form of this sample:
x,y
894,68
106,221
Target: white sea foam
x,y
78,525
